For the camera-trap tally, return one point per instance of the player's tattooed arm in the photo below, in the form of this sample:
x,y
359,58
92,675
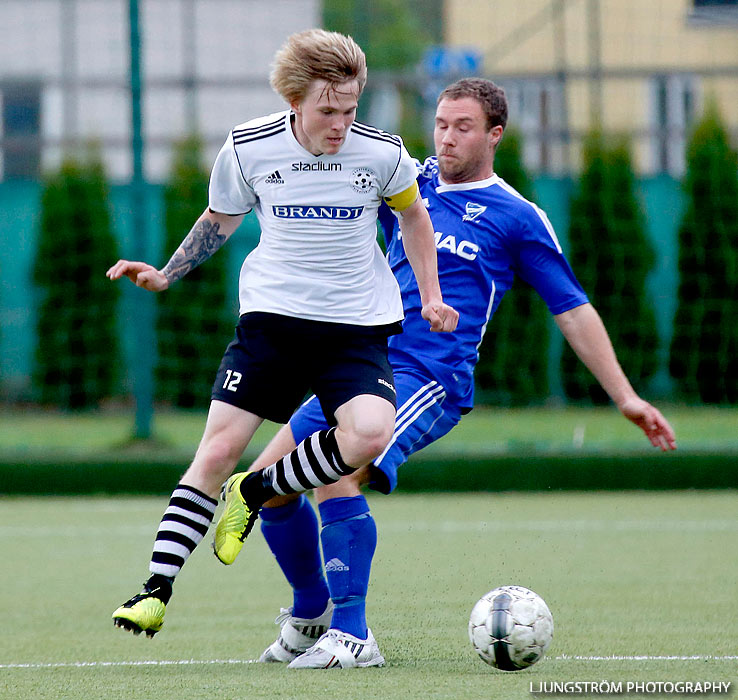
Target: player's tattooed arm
x,y
208,234
200,243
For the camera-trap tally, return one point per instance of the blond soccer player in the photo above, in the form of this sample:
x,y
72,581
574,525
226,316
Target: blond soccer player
x,y
318,302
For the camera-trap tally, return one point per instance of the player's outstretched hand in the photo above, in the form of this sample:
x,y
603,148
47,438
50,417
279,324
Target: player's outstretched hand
x,y
140,273
442,317
649,419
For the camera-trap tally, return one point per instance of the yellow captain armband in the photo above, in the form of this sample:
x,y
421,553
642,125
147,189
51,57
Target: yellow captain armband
x,y
402,200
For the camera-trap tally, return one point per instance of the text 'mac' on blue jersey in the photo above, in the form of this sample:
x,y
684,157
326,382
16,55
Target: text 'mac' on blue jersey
x,y
486,233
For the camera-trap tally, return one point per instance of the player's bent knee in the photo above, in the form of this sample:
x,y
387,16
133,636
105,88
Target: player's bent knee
x,y
365,426
374,447
360,446
218,456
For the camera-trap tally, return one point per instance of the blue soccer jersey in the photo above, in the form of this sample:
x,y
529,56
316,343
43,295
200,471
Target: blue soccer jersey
x,y
486,233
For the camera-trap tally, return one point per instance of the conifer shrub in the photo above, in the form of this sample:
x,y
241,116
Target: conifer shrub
x,y
704,347
77,354
611,255
194,325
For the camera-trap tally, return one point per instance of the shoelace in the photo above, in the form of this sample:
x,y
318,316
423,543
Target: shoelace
x,y
331,634
284,615
317,648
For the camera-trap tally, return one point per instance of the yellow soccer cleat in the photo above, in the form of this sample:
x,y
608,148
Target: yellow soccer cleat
x,y
145,611
235,522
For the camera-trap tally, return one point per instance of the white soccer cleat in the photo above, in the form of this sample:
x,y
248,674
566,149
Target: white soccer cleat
x,y
336,649
296,636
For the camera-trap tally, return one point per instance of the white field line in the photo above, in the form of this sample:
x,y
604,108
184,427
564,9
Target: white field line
x,y
566,526
212,662
409,526
617,657
76,530
127,664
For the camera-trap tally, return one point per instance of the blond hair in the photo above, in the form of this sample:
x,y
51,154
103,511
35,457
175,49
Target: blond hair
x,y
316,54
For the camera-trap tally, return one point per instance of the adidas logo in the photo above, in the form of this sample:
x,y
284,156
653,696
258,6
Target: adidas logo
x,y
336,564
274,179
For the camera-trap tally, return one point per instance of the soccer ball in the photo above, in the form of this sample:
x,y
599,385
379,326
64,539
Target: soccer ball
x,y
510,628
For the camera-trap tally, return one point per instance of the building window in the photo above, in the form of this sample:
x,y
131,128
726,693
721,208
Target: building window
x,y
537,110
21,126
711,12
673,108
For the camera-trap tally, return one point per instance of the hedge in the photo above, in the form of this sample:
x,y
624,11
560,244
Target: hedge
x,y
465,473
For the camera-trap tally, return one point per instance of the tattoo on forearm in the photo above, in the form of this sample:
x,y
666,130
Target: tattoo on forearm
x,y
199,244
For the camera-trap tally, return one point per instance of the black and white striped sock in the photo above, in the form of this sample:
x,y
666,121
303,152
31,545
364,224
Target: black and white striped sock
x,y
315,462
185,522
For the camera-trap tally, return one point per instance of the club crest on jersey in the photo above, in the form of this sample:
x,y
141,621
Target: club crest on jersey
x,y
473,211
362,179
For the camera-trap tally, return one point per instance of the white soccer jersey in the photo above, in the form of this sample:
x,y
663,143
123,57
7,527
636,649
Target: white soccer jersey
x,y
317,257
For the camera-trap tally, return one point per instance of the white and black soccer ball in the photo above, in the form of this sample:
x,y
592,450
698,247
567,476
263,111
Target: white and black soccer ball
x,y
510,628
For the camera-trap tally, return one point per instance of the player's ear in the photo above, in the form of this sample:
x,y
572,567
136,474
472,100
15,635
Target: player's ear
x,y
495,135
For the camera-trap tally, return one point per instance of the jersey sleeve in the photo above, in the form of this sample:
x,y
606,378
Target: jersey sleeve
x,y
228,192
540,261
387,221
402,200
403,178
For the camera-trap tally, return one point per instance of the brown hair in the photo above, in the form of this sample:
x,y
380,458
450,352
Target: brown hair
x,y
316,54
491,97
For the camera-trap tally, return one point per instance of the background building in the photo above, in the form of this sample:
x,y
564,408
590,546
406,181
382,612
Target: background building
x,y
639,68
64,67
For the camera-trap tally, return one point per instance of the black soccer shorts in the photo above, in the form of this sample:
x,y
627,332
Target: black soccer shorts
x,y
275,361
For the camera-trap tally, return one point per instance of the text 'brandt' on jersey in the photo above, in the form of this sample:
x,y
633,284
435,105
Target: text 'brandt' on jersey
x,y
316,212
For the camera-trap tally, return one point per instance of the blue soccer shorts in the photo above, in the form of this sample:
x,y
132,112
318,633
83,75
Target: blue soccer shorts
x,y
424,415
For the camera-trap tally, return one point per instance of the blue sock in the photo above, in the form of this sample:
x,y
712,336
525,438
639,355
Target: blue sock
x,y
291,531
349,538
